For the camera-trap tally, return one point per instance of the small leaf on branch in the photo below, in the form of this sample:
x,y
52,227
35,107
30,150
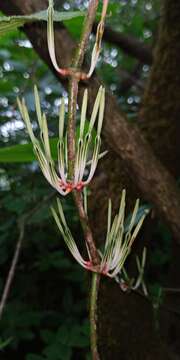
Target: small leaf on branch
x,y
10,23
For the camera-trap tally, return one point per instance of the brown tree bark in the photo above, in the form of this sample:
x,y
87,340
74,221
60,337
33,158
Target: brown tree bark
x,y
159,120
161,106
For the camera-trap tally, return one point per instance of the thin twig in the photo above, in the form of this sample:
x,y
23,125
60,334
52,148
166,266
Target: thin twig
x,y
22,222
12,269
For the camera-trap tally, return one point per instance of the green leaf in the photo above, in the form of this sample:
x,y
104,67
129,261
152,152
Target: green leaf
x,y
10,23
4,343
23,153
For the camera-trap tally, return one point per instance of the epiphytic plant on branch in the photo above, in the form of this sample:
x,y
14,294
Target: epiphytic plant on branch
x,y
74,160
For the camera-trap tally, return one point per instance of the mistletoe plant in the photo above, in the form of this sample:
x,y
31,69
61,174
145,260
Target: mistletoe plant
x,y
75,162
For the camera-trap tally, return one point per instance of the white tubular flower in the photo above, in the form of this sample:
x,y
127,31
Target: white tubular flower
x,y
119,241
126,283
117,245
99,35
85,140
140,279
43,151
50,35
50,38
67,236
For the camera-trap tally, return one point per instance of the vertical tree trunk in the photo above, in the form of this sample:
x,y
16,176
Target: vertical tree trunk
x,y
159,120
160,114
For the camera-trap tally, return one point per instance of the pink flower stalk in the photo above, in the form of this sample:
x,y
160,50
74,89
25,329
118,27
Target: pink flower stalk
x,y
84,143
118,240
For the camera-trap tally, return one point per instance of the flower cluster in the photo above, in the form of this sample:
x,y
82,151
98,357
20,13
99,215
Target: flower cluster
x,y
85,140
119,237
118,243
97,45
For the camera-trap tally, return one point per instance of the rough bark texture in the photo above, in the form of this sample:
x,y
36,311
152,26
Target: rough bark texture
x,y
161,105
126,322
127,335
159,120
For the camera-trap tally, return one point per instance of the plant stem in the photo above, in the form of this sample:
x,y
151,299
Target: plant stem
x,y
86,229
87,28
71,132
74,82
73,92
93,315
